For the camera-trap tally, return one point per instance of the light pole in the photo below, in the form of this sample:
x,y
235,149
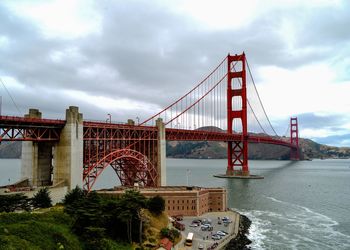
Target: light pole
x,y
109,118
188,172
138,120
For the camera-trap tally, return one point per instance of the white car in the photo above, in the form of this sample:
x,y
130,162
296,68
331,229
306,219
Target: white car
x,y
200,246
221,233
216,237
194,225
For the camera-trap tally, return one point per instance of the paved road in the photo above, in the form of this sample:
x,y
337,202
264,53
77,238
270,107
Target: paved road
x,y
204,237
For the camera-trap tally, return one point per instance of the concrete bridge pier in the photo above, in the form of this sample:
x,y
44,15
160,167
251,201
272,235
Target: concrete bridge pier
x,y
68,153
161,161
55,163
36,158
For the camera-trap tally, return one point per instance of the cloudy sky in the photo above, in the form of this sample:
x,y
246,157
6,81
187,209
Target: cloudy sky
x,y
132,58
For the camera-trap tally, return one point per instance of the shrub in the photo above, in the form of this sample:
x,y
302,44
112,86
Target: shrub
x,y
42,199
11,202
172,234
156,205
75,195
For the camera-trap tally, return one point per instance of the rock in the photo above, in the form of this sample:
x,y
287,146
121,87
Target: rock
x,y
241,241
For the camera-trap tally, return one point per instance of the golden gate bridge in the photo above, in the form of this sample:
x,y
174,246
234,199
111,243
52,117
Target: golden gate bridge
x,y
225,106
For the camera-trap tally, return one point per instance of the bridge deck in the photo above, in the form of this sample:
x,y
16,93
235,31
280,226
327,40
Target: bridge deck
x,y
13,127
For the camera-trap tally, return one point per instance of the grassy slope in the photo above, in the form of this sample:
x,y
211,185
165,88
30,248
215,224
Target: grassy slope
x,y
47,230
37,231
153,226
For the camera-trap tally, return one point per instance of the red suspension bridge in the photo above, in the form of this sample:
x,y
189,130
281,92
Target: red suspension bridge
x,y
225,106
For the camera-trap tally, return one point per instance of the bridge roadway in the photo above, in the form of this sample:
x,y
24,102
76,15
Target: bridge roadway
x,y
14,128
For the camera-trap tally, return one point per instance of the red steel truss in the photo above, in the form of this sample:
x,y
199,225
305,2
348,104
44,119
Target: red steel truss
x,y
130,150
29,129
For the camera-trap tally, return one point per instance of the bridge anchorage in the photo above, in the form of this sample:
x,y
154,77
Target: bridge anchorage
x,y
224,107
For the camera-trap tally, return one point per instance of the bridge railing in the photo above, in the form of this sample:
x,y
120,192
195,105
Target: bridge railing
x,y
5,118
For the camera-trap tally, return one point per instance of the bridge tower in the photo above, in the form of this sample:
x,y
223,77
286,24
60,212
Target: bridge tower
x,y
294,139
237,151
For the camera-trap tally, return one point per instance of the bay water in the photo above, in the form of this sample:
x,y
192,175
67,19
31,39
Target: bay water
x,y
298,205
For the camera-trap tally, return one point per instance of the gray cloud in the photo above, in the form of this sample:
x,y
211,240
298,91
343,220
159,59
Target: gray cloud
x,y
335,140
313,121
149,53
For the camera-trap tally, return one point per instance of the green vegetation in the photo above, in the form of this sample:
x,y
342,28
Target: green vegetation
x,y
86,221
75,195
49,230
10,203
156,205
171,234
42,199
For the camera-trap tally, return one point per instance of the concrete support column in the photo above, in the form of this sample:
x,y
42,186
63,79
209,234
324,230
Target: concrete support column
x,y
161,147
29,158
68,153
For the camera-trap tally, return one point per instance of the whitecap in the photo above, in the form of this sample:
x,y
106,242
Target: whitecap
x,y
293,227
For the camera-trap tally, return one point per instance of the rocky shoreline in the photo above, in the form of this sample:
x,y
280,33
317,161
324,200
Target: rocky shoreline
x,y
241,241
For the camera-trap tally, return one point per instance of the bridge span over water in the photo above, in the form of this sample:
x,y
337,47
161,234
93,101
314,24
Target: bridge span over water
x,y
75,152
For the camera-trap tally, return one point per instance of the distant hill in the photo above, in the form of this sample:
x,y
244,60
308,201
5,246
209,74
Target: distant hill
x,y
218,150
256,151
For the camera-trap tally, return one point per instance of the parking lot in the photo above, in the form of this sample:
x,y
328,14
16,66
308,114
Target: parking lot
x,y
202,235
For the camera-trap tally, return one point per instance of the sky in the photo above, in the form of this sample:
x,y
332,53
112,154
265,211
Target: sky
x,y
132,58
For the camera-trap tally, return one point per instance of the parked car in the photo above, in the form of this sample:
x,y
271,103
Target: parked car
x,y
178,217
216,237
179,225
220,233
206,221
194,225
200,246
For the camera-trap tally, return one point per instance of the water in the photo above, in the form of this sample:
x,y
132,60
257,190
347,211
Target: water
x,y
299,205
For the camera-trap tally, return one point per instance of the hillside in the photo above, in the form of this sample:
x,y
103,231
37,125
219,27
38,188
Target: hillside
x,y
218,150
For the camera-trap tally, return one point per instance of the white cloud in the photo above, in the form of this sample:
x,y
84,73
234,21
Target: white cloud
x,y
4,42
11,83
60,18
221,14
310,88
109,104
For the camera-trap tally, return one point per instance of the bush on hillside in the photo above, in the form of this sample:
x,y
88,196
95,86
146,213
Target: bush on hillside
x,y
171,234
42,199
12,202
75,195
156,205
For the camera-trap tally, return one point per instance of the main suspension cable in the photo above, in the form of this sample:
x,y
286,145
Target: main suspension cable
x,y
251,76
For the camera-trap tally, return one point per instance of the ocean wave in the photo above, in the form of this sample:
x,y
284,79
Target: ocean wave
x,y
293,226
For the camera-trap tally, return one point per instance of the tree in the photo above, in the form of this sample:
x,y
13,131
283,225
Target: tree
x,y
156,205
75,195
130,204
11,202
42,199
171,234
164,232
